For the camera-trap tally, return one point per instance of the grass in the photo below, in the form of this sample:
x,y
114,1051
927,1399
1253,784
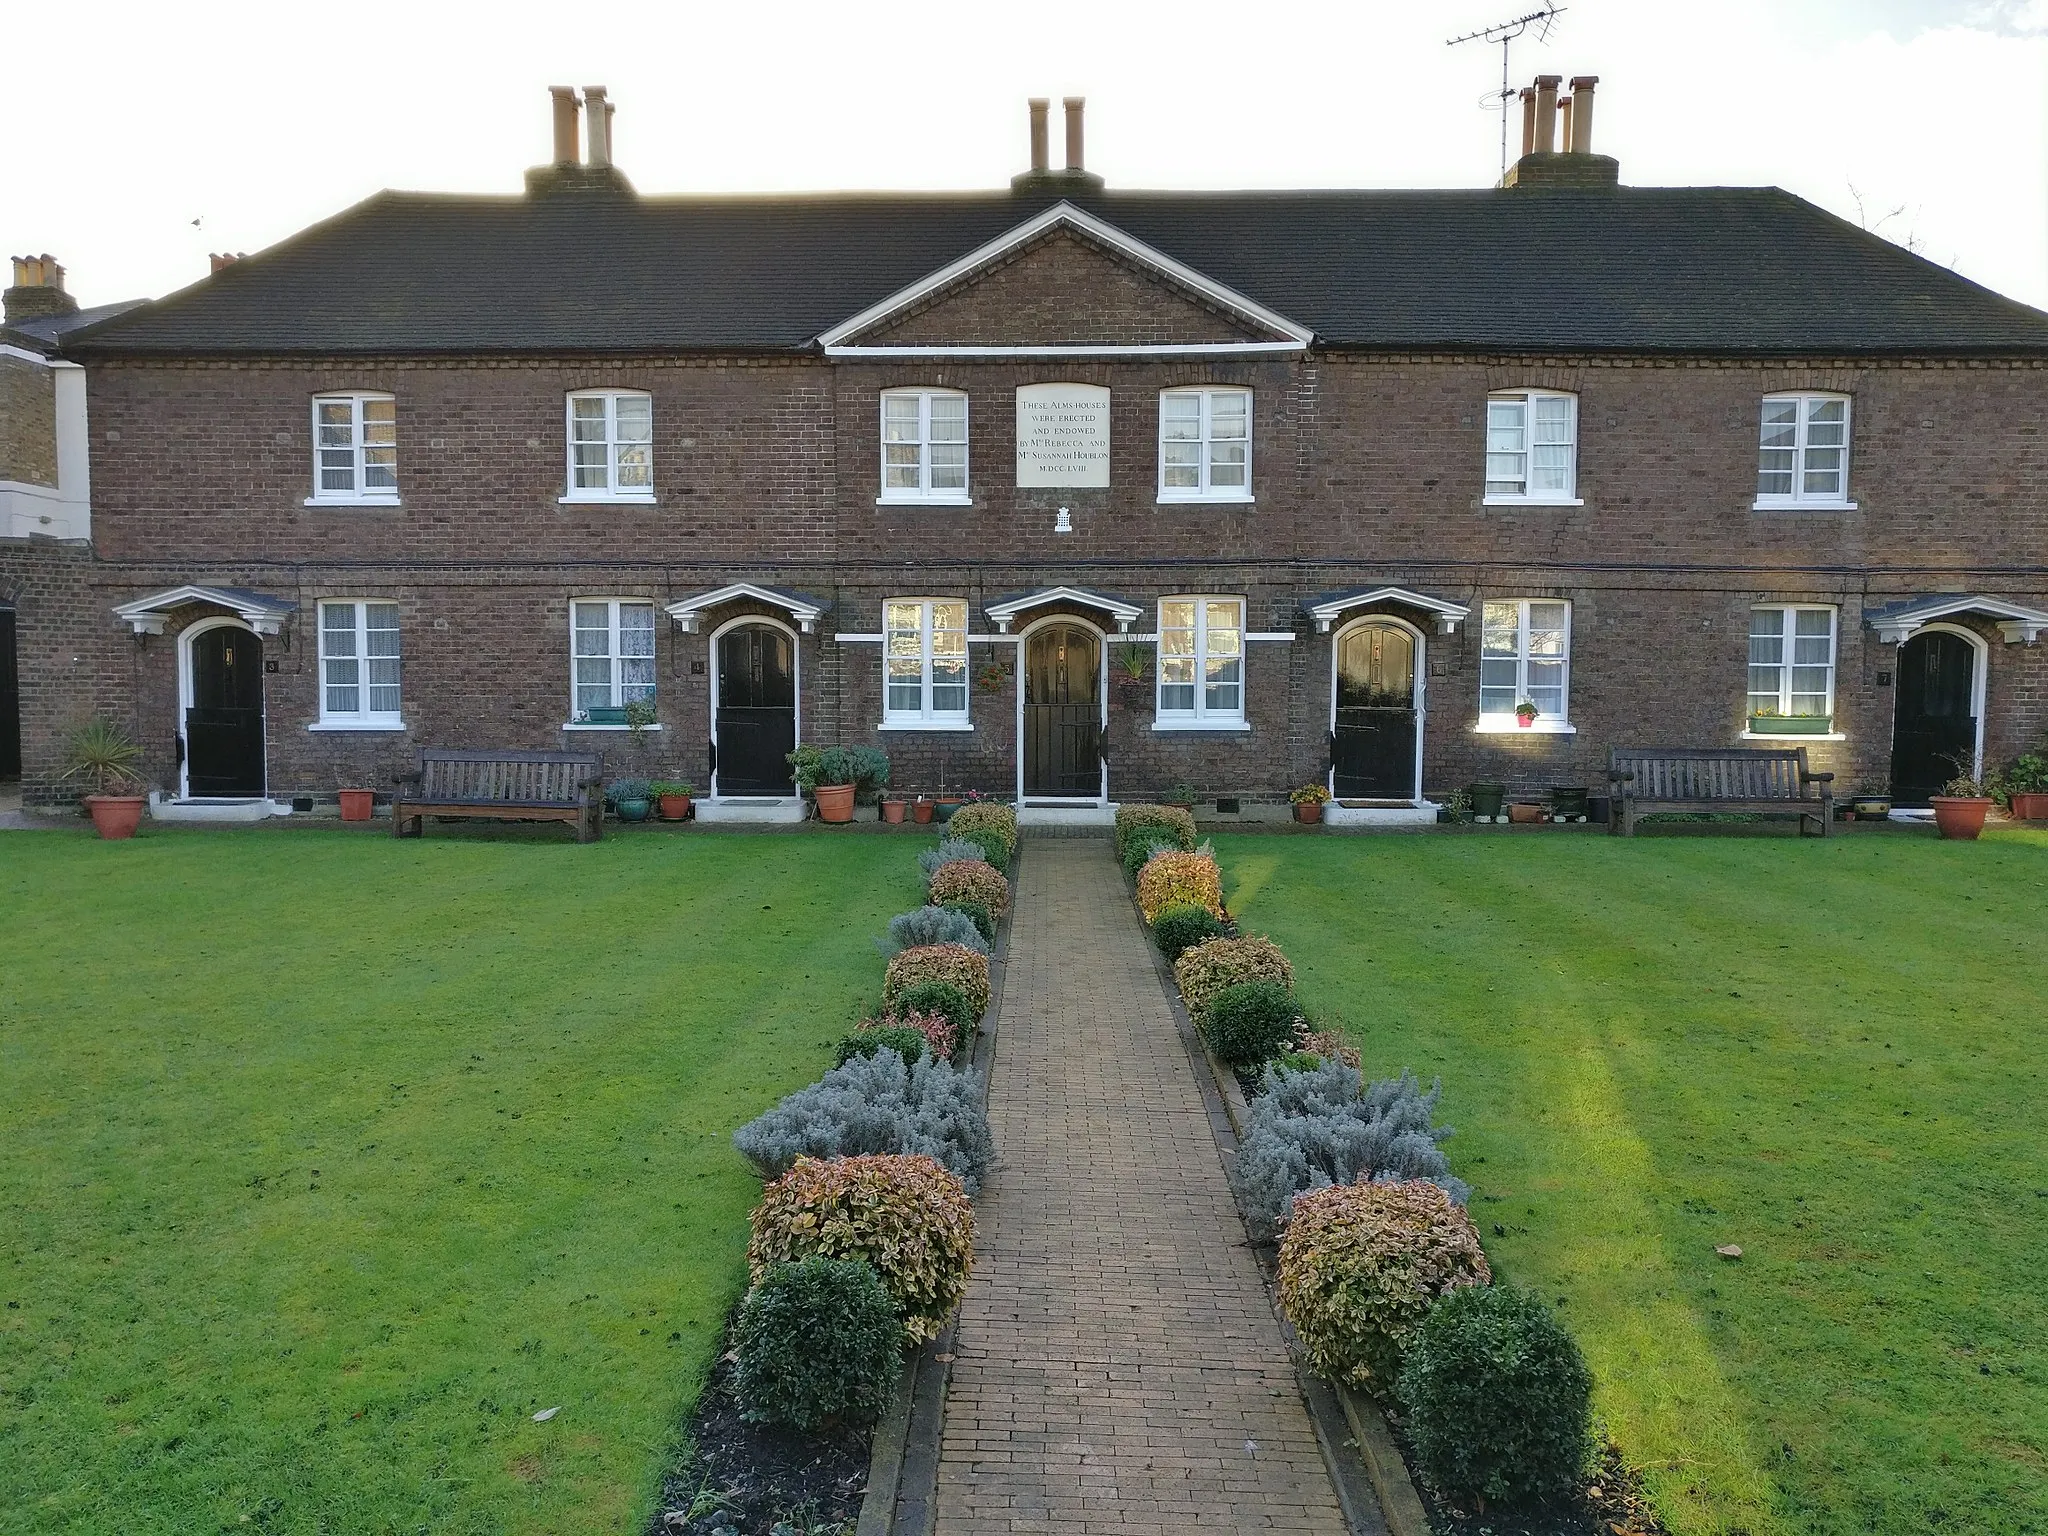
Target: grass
x,y
330,1160
1830,1053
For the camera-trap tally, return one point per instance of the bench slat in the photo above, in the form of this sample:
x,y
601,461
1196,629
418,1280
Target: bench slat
x,y
511,785
1716,779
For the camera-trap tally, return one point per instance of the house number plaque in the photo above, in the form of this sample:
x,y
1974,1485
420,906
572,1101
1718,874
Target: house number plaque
x,y
1062,435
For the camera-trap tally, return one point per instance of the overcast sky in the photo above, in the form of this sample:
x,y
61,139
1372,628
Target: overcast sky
x,y
258,119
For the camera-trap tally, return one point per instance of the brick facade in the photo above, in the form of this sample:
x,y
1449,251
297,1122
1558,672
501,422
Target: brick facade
x,y
28,422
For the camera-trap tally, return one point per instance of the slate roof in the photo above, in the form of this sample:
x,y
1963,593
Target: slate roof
x,y
1680,270
46,333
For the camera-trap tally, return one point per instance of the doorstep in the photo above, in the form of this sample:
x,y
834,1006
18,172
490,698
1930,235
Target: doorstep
x,y
1379,813
255,808
757,809
1066,814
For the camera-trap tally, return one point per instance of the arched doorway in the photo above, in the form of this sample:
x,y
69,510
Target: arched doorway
x,y
1061,738
753,709
1376,712
1938,712
222,685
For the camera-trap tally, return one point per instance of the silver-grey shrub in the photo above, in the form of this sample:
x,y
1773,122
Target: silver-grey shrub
x,y
1312,1128
949,850
931,925
877,1103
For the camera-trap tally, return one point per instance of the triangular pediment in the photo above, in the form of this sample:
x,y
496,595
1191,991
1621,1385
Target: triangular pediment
x,y
1065,281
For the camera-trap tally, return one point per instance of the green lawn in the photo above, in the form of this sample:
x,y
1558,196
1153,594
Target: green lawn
x,y
1831,1053
330,1159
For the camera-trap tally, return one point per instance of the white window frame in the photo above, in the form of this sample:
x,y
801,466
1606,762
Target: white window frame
x,y
923,493
611,490
1546,723
1789,637
362,718
1799,497
1202,717
1565,496
359,493
1206,489
925,717
579,719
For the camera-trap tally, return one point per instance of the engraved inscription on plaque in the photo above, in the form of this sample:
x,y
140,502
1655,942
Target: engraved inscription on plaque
x,y
1062,435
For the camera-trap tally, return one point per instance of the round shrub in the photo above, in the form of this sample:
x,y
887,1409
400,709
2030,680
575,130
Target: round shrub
x,y
817,1340
1180,879
1360,1267
1138,824
1499,1398
993,827
930,925
903,1213
904,1038
1181,926
1249,1024
1206,969
984,920
943,999
971,880
953,964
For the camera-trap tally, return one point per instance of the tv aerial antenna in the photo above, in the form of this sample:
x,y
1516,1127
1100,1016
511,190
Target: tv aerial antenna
x,y
1504,33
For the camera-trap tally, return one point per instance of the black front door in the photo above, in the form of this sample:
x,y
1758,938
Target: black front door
x,y
1934,733
1063,712
756,711
224,722
1373,745
10,700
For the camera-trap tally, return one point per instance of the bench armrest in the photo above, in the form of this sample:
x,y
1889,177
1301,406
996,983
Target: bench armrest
x,y
1620,775
412,777
1816,778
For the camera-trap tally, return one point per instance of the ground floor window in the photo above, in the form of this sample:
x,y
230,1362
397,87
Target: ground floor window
x,y
925,654
1524,659
1201,661
1792,661
612,640
359,663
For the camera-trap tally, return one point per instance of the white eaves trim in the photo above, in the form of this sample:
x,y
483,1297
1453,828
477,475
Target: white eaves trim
x,y
1005,613
2017,623
1448,614
1090,349
834,341
686,611
262,613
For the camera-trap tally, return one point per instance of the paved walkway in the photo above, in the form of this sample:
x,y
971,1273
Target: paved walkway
x,y
1118,1367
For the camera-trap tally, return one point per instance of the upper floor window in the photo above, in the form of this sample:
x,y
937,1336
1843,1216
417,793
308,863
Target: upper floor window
x,y
1201,661
924,445
612,641
1525,659
355,448
359,664
1791,668
925,657
611,445
1205,445
1532,446
1803,452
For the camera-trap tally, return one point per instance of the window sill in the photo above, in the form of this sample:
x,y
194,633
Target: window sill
x,y
389,728
593,498
1789,504
573,725
1507,725
352,501
1207,501
1794,736
1532,501
924,501
926,725
1206,726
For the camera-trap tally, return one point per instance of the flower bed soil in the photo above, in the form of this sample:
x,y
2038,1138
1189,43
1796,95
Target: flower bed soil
x,y
1611,1502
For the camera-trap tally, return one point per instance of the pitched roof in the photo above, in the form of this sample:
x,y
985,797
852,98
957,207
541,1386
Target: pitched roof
x,y
1685,270
46,333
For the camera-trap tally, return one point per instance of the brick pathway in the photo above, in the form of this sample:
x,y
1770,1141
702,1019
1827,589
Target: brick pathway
x,y
1118,1367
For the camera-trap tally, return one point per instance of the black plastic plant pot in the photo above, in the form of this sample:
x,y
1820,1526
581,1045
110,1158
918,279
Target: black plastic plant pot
x,y
1568,801
1486,800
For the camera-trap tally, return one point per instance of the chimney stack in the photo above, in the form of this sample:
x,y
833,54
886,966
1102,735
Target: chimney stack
x,y
569,171
598,114
1041,153
1546,113
1547,116
1581,142
1074,104
220,261
566,108
38,290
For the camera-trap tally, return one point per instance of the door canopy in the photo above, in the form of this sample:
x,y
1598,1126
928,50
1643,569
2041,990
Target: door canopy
x,y
1008,612
688,611
259,610
1448,615
1897,622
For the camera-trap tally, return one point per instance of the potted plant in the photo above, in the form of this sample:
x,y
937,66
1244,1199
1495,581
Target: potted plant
x,y
1526,713
2024,783
1871,804
922,810
892,809
1523,811
1959,808
1308,803
602,714
101,754
1181,796
630,798
831,775
1768,722
1568,802
357,804
1486,801
1454,806
638,715
673,796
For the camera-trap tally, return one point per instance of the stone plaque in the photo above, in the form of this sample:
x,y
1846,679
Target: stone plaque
x,y
1062,435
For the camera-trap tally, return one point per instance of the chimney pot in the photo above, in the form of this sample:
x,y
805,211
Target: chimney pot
x,y
565,109
1041,154
599,113
1564,124
1528,119
1582,113
38,290
1546,113
1074,104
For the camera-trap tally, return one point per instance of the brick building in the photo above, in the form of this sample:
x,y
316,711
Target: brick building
x,y
1060,492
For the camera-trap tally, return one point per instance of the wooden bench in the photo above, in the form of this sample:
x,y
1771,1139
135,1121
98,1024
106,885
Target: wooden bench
x,y
504,786
1648,779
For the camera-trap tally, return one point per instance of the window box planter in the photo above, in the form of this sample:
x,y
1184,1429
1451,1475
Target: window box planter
x,y
356,804
835,802
2029,805
1486,801
1520,813
1790,725
1960,817
605,715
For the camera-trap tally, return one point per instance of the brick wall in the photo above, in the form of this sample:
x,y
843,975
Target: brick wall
x,y
28,422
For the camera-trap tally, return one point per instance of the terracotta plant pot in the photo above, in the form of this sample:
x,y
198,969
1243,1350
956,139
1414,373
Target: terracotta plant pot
x,y
2029,806
674,807
1525,813
835,802
921,812
1308,812
1959,816
892,812
115,816
357,804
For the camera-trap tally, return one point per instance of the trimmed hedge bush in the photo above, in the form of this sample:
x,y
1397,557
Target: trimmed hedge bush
x,y
1206,969
904,1038
1181,927
951,850
817,1340
971,880
931,925
954,964
1498,1396
877,1104
1310,1127
1360,1267
1180,880
1249,1024
987,816
984,920
937,998
1166,823
907,1216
